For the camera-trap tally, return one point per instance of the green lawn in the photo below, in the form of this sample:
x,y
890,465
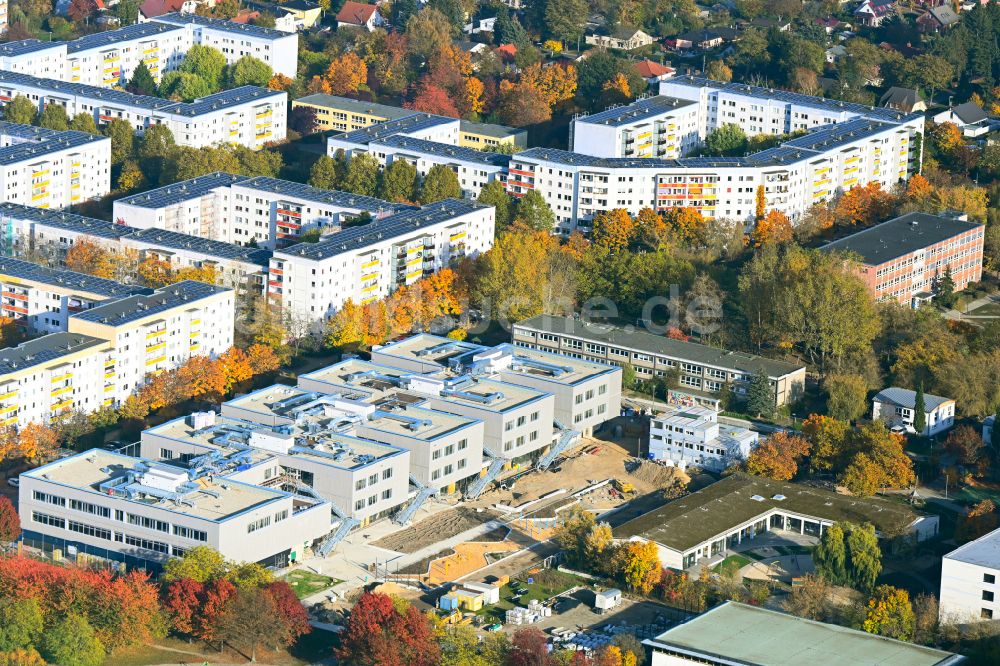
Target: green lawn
x,y
547,584
988,310
306,583
733,562
972,495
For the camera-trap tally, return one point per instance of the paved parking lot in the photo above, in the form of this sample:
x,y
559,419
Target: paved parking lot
x,y
575,611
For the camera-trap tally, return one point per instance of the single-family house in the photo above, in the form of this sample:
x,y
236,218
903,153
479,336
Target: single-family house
x,y
359,15
305,14
938,18
907,100
969,117
151,9
896,406
831,25
623,39
479,24
653,72
871,13
835,53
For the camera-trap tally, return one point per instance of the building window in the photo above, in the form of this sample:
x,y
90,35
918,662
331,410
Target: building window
x,y
146,544
148,523
986,614
190,533
90,530
87,507
46,519
258,524
166,454
989,578
387,473
48,498
987,595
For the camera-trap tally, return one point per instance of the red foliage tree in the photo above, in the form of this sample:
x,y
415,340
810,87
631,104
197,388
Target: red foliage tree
x,y
213,605
433,99
529,647
378,634
181,600
10,523
291,612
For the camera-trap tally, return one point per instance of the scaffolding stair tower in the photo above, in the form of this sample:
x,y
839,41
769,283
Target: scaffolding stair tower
x,y
477,487
566,439
405,515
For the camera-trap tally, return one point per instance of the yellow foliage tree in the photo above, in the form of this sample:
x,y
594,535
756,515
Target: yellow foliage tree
x,y
36,441
614,229
346,74
155,272
620,85
638,563
85,256
344,328
775,227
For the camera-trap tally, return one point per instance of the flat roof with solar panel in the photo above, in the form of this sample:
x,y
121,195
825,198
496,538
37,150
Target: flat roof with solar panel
x,y
63,220
639,110
244,29
66,280
225,100
403,143
828,137
177,192
309,193
213,248
134,308
44,349
114,37
387,228
46,145
27,46
411,123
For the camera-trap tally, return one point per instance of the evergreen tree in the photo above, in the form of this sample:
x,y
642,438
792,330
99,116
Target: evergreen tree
x,y
945,292
20,110
398,181
494,194
760,395
142,82
440,183
919,410
324,173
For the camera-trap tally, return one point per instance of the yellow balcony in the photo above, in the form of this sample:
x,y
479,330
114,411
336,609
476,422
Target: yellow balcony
x,y
369,276
412,262
414,274
156,334
194,334
373,262
8,409
8,394
68,402
108,388
156,347
61,391
65,375
154,361
195,322
11,421
457,236
370,288
108,401
193,346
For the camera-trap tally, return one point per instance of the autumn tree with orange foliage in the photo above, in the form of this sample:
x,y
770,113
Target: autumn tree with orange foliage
x,y
87,257
864,205
614,229
918,189
556,83
155,272
280,82
203,377
638,565
619,85
774,227
778,456
518,104
686,224
650,229
346,74
36,441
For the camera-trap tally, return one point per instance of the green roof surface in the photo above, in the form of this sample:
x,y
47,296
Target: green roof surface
x,y
741,634
703,515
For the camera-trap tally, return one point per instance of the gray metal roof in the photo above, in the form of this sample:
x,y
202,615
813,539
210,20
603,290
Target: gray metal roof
x,y
446,151
182,191
114,37
133,308
490,129
906,398
225,26
206,246
735,633
984,551
970,113
400,224
900,236
638,110
44,349
658,344
69,280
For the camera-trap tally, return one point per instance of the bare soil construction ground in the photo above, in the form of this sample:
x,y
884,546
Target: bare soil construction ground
x,y
437,528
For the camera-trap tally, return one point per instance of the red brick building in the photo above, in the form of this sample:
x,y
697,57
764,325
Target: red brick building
x,y
903,259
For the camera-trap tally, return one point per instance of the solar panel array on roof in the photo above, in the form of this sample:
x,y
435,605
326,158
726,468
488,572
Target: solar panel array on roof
x,y
447,150
46,145
412,123
26,270
838,134
308,192
134,308
218,101
63,220
212,248
638,110
44,349
26,46
220,24
579,159
112,37
390,227
183,191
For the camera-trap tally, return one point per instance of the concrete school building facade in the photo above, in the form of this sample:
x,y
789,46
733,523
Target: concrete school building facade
x,y
969,589
707,524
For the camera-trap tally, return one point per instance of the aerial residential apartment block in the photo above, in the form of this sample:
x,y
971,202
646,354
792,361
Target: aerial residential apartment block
x,y
108,59
660,126
51,169
969,589
103,506
311,281
904,259
701,369
108,350
236,209
247,115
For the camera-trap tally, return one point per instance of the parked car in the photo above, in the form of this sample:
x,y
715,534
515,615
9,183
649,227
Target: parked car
x,y
14,481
